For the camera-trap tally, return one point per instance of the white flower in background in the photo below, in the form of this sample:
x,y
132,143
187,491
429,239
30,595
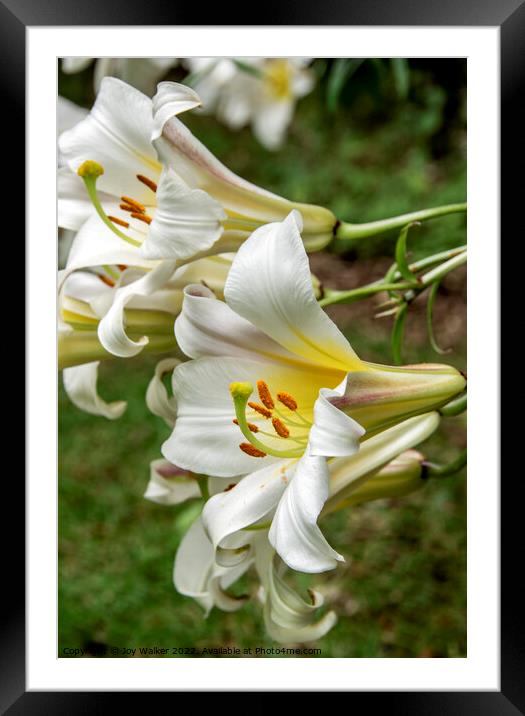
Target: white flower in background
x,y
140,72
261,92
272,338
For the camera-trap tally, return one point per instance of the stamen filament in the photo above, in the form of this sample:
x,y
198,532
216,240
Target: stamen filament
x,y
300,441
305,423
111,272
90,176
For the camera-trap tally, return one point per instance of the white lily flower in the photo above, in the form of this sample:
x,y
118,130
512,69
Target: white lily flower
x,y
256,91
176,209
271,333
140,72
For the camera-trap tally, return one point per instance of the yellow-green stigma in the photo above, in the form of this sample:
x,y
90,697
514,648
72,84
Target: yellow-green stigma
x,y
91,169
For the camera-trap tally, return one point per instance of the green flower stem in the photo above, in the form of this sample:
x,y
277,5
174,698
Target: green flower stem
x,y
75,347
372,228
455,258
356,294
427,262
437,273
431,469
202,481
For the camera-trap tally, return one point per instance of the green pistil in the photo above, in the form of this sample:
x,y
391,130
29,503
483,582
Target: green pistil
x,y
89,171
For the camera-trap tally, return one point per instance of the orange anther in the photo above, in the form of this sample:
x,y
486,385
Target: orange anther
x,y
280,428
288,400
118,221
260,409
142,217
132,202
106,280
265,395
148,182
252,451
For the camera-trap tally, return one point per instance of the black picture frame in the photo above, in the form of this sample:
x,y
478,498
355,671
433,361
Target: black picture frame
x,y
509,16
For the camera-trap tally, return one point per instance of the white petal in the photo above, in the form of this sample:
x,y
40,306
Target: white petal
x,y
270,285
85,286
208,327
169,485
111,330
171,99
288,618
70,65
80,383
224,601
195,572
178,148
186,221
96,245
294,532
117,135
271,122
74,206
250,500
194,564
157,398
205,439
334,433
68,115
302,83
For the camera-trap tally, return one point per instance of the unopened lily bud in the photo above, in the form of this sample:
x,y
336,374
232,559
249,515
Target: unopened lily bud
x,y
381,396
400,477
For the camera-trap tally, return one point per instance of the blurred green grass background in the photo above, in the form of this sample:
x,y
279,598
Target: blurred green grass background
x,y
402,590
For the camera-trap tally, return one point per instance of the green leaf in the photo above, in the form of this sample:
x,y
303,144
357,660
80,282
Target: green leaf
x,y
401,257
401,74
340,73
430,308
398,330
